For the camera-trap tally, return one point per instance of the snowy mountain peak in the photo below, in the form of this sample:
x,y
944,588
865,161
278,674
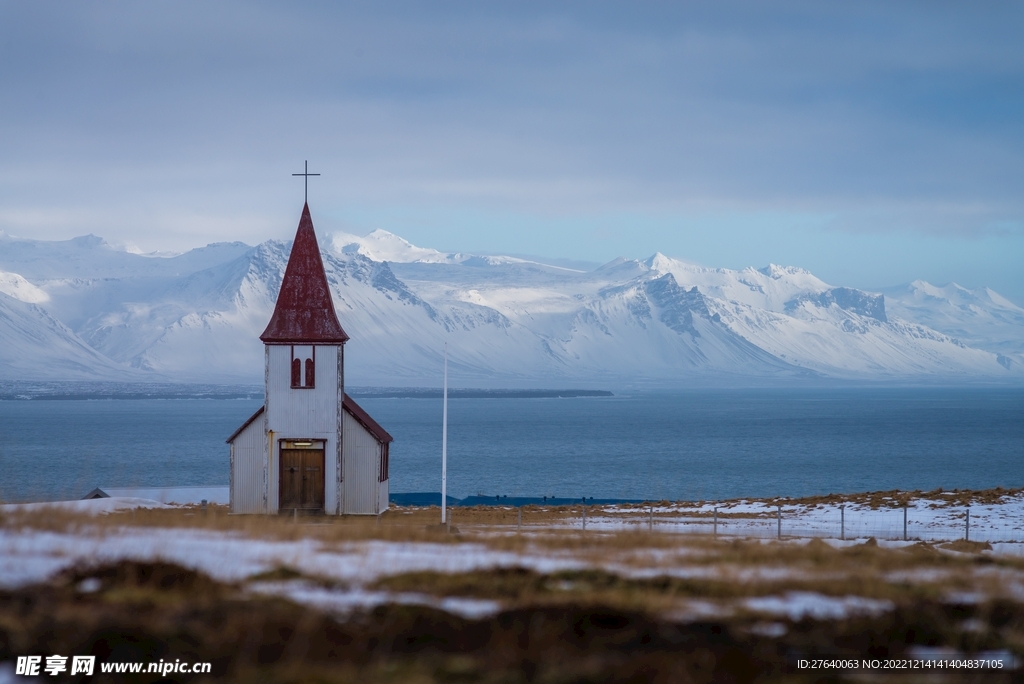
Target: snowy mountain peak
x,y
978,317
776,272
621,267
660,263
157,254
661,320
89,241
1000,300
619,262
14,285
958,295
380,245
948,291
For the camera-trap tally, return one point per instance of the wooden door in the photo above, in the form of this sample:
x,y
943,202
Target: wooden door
x,y
291,480
313,479
302,480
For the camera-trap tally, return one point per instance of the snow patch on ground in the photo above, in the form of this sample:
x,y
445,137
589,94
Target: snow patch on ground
x,y
797,605
32,556
85,506
344,601
927,520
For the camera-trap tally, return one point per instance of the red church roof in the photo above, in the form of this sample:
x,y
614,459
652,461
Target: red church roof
x,y
304,313
360,414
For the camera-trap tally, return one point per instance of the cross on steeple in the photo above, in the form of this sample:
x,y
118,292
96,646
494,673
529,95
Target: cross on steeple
x,y
307,174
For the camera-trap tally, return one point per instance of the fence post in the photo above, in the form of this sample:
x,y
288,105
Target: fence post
x,y
716,522
780,521
904,522
967,531
842,522
519,518
650,520
584,517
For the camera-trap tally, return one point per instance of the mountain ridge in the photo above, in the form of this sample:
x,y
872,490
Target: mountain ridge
x,y
196,317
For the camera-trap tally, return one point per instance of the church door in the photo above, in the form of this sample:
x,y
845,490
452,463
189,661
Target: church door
x,y
302,480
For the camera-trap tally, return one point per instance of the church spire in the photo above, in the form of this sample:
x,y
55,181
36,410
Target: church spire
x,y
304,313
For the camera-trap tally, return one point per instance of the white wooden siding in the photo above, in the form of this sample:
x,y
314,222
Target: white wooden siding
x,y
247,453
339,424
308,411
362,467
353,453
383,496
303,414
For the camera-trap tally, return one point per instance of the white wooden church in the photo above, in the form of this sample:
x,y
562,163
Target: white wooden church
x,y
310,448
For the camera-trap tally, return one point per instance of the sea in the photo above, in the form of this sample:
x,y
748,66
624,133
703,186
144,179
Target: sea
x,y
685,445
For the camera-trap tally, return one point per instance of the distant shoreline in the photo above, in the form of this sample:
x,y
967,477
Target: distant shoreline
x,y
369,393
84,391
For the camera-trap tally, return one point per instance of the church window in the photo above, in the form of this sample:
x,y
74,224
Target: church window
x,y
383,475
303,357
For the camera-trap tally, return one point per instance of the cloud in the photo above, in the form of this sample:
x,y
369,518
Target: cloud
x,y
164,123
933,219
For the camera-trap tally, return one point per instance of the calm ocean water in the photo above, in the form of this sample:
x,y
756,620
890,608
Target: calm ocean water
x,y
701,444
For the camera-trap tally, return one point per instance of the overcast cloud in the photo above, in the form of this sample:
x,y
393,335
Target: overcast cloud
x,y
873,143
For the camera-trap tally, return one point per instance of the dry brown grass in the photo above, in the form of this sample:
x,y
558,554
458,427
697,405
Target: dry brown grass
x,y
483,524
544,528
643,576
390,527
964,546
896,498
149,611
729,571
411,523
720,568
145,611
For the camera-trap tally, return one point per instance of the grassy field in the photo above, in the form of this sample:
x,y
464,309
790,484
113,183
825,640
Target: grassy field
x,y
282,599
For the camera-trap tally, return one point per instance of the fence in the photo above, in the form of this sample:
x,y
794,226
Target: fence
x,y
922,521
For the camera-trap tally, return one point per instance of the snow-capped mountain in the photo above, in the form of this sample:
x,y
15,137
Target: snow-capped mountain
x,y
380,245
980,318
35,345
661,321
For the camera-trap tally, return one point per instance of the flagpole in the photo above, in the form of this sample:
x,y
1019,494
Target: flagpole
x,y
444,441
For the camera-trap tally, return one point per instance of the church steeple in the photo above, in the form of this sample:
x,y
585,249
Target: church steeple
x,y
305,312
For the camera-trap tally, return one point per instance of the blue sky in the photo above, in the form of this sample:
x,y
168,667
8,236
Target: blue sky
x,y
872,143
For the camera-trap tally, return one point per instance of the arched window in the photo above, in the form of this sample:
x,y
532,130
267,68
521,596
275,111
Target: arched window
x,y
302,353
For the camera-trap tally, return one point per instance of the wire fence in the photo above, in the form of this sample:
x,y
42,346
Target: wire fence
x,y
910,524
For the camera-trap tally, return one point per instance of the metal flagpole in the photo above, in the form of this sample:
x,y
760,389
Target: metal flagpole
x,y
444,441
